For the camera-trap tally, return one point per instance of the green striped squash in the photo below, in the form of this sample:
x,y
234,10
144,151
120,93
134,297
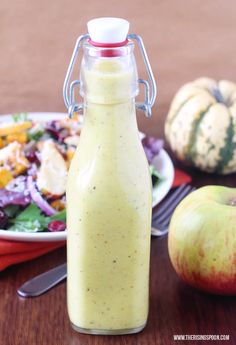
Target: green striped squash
x,y
201,125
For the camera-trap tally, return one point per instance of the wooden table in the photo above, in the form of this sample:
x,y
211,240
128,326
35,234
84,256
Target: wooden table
x,y
185,39
174,307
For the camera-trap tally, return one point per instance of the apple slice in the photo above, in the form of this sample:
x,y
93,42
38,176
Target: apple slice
x,y
52,175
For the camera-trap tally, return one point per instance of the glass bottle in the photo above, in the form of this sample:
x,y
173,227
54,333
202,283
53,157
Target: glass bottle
x,y
109,194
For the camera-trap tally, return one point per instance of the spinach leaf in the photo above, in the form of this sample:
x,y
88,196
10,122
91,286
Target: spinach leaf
x,y
58,216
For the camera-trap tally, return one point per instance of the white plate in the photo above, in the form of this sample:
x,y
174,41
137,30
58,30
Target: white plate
x,y
162,162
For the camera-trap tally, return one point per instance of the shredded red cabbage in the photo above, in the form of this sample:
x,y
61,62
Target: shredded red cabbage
x,y
8,197
152,147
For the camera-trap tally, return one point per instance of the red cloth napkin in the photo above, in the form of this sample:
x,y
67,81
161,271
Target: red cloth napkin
x,y
12,252
180,178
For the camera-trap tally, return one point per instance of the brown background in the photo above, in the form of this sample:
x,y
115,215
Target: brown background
x,y
185,39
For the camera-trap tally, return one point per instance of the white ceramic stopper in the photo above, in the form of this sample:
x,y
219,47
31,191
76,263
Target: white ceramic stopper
x,y
108,30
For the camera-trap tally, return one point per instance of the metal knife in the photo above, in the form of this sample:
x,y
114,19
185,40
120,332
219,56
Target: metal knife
x,y
43,282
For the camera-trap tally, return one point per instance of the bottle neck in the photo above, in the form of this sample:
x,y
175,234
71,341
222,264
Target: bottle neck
x,y
108,80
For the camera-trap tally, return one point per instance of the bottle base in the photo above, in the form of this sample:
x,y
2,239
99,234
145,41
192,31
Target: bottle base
x,y
108,331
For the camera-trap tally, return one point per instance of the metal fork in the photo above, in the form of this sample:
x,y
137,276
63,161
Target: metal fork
x,y
161,219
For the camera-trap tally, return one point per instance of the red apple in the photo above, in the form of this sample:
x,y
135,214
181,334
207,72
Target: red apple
x,y
202,240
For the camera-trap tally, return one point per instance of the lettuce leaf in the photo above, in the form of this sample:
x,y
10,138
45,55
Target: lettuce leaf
x,y
31,219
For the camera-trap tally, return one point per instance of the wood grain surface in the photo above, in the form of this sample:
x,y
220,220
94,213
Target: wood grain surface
x,y
185,39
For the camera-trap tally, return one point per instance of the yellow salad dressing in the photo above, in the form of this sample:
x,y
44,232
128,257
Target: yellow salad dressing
x,y
108,207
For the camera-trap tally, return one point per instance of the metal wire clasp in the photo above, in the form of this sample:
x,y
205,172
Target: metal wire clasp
x,y
146,106
69,91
